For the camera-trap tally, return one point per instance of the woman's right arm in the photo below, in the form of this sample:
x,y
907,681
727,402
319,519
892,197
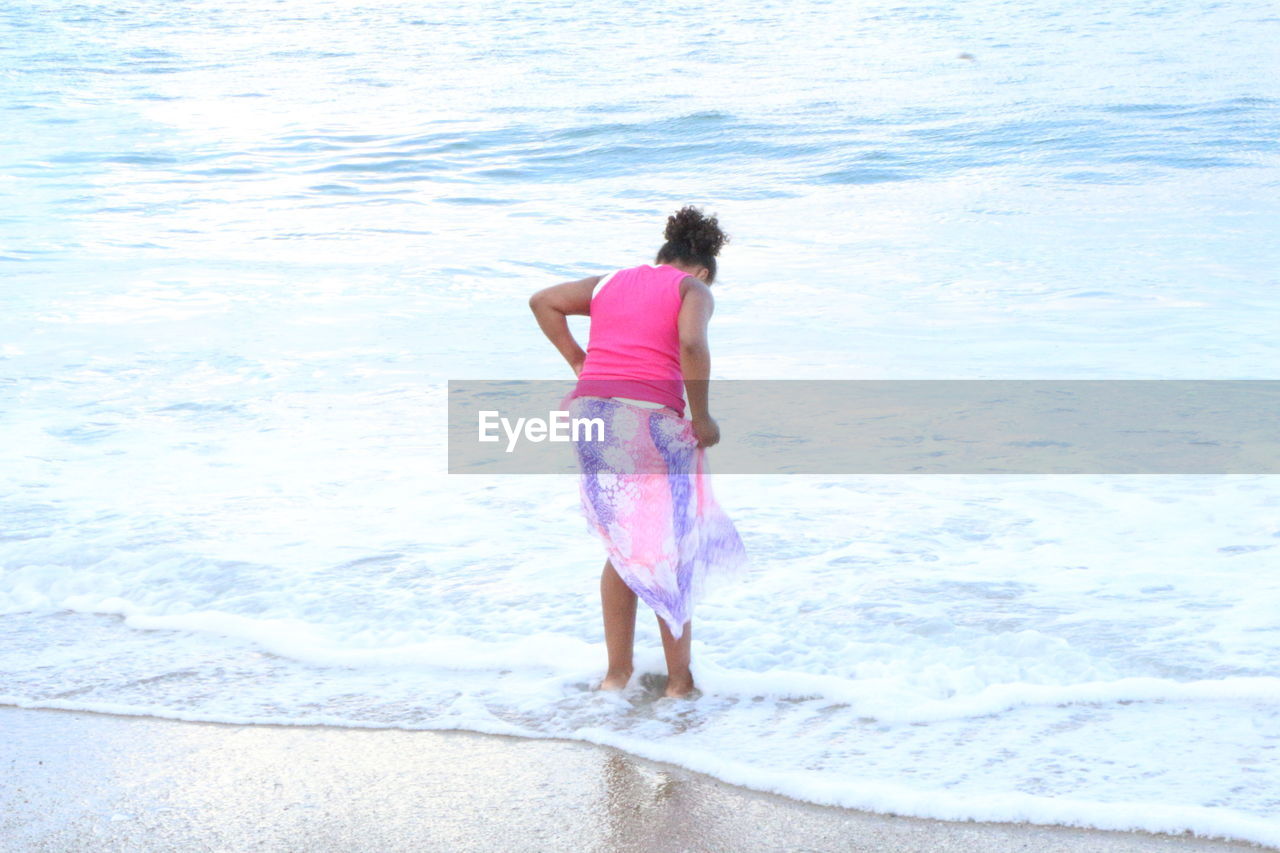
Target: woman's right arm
x,y
552,305
695,358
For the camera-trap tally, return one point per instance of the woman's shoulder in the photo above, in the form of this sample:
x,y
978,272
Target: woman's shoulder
x,y
694,285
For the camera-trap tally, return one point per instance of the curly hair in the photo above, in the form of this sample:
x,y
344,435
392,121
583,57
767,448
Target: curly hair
x,y
692,238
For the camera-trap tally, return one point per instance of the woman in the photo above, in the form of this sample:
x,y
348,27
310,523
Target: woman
x,y
644,486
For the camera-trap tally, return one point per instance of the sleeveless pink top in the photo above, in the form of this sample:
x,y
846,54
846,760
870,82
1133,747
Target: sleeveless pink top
x,y
634,345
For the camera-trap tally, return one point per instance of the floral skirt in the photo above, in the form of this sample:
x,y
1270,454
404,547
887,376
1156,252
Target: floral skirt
x,y
646,492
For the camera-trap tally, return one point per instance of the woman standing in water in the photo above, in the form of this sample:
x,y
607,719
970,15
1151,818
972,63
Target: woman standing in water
x,y
645,487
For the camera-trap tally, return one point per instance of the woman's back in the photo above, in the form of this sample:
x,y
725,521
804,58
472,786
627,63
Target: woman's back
x,y
634,344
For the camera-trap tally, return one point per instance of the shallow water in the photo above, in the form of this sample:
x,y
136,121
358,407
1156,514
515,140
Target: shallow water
x,y
244,247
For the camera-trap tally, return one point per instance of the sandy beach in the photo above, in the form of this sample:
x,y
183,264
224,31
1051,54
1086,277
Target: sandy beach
x,y
79,781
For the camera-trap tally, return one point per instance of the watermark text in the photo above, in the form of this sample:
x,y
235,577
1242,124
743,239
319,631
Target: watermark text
x,y
558,426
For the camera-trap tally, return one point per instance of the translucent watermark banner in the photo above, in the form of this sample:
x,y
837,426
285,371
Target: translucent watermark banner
x,y
944,426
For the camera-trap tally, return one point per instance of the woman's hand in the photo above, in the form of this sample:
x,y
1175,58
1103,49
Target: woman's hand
x,y
706,431
577,364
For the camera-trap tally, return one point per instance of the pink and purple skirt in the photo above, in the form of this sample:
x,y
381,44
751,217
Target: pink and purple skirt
x,y
646,492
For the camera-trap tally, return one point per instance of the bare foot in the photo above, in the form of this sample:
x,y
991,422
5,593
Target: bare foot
x,y
679,688
615,680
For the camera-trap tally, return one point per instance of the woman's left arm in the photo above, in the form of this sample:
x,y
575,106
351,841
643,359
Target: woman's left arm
x,y
552,305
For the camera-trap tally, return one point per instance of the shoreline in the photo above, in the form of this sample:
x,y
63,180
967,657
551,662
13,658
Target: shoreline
x,y
79,780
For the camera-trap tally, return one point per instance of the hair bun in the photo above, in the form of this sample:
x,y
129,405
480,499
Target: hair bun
x,y
701,234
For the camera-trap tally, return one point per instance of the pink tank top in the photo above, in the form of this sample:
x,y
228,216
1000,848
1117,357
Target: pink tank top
x,y
634,345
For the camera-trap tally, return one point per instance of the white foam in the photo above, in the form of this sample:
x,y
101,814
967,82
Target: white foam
x,y
882,699
882,797
300,641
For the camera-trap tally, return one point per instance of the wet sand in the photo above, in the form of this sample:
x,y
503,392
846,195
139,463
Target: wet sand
x,y
76,781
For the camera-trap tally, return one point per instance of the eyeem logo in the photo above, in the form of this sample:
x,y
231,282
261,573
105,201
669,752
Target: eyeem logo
x,y
558,427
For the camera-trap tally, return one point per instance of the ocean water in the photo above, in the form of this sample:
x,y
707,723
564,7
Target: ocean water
x,y
243,246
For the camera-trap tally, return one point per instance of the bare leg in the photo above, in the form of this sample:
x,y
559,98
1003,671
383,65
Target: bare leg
x,y
619,604
679,679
